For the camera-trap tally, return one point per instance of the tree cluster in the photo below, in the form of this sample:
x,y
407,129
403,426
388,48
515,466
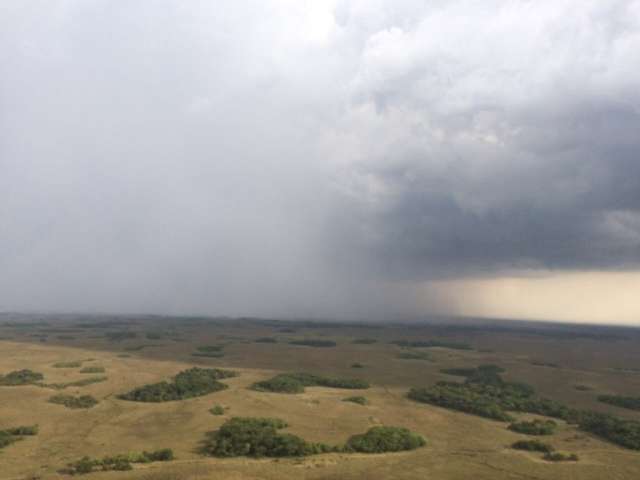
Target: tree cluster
x,y
296,383
385,439
534,427
20,377
11,435
118,462
193,382
69,401
257,437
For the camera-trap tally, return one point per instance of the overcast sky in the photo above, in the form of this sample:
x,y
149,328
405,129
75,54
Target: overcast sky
x,y
339,158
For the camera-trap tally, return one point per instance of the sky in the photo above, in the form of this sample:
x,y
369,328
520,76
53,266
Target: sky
x,y
355,159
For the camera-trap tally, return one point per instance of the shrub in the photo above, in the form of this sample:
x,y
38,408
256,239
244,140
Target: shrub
x,y
78,383
296,382
535,427
583,388
314,343
533,446
12,435
357,365
210,348
67,365
92,370
630,403
69,401
217,410
118,462
358,400
20,377
190,383
560,457
257,437
364,341
385,439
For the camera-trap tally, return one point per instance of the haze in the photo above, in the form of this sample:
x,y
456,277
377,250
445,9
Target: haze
x,y
359,159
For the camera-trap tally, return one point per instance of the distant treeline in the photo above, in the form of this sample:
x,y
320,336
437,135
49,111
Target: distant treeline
x,y
431,344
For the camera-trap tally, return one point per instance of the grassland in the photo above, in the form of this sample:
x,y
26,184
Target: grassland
x,y
458,445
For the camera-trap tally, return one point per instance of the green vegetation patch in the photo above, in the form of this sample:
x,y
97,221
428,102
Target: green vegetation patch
x,y
385,439
534,427
257,437
95,369
67,365
314,343
12,435
357,365
487,395
217,410
432,344
533,446
364,341
630,403
357,399
560,457
413,356
296,383
118,462
69,401
190,383
78,383
20,377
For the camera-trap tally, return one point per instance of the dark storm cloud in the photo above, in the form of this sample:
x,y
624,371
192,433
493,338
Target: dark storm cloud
x,y
321,158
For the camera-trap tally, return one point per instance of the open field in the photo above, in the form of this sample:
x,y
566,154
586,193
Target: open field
x,y
142,350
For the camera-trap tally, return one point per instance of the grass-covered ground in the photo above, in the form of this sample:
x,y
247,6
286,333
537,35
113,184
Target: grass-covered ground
x,y
458,445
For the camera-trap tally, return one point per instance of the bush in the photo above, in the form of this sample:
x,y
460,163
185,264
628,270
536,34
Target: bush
x,y
385,439
217,410
22,431
533,446
357,365
69,401
92,370
358,400
257,437
118,462
560,457
210,348
20,377
630,403
314,343
625,433
296,382
364,341
78,383
12,435
535,427
67,365
190,383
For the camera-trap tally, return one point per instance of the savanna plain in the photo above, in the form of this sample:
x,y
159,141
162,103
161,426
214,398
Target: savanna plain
x,y
168,398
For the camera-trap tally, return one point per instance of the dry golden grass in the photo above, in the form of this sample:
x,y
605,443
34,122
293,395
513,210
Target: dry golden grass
x,y
459,446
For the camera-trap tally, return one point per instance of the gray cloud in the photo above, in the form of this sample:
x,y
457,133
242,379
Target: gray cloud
x,y
281,158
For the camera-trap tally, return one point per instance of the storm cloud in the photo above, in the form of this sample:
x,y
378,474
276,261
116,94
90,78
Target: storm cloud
x,y
310,158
